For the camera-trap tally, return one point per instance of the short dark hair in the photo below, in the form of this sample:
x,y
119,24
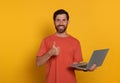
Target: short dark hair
x,y
60,11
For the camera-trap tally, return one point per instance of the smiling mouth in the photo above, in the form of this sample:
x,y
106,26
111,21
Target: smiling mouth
x,y
61,28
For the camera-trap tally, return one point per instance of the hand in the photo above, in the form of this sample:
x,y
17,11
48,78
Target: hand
x,y
93,67
54,51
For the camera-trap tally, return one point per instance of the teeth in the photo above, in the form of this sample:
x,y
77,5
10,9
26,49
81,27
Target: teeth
x,y
61,27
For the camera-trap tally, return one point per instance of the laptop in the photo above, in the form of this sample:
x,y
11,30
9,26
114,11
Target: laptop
x,y
97,58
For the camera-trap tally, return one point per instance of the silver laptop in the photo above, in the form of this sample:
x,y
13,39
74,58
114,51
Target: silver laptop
x,y
97,58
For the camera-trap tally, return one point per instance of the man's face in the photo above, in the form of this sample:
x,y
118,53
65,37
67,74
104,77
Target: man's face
x,y
61,23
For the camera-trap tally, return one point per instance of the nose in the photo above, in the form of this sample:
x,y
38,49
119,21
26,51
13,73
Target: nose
x,y
61,23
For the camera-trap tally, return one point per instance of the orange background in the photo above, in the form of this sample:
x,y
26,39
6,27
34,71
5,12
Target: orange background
x,y
24,23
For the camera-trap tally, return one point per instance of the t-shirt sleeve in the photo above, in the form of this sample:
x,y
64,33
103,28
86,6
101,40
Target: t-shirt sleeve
x,y
77,53
42,49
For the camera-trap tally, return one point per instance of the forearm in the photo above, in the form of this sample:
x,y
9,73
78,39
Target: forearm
x,y
54,51
42,59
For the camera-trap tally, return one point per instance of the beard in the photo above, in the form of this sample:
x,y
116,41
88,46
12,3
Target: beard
x,y
61,28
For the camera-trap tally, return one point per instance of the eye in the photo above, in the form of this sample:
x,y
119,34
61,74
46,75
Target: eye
x,y
64,19
57,19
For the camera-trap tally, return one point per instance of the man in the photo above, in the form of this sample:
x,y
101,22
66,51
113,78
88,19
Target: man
x,y
59,51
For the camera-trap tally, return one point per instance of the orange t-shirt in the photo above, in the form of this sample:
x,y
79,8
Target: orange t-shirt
x,y
57,67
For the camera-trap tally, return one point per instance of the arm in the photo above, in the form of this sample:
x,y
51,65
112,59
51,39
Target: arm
x,y
54,51
78,58
42,59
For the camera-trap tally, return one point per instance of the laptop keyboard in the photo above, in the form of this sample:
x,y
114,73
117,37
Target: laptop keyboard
x,y
84,66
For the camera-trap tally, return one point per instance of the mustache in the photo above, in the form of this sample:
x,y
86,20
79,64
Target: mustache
x,y
60,25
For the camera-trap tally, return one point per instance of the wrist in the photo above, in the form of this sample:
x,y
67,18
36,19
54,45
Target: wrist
x,y
49,53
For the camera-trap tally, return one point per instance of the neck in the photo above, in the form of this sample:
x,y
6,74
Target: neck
x,y
61,34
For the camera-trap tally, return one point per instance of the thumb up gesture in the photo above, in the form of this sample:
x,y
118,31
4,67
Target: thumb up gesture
x,y
54,51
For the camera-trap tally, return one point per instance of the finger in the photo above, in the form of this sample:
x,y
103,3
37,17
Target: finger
x,y
93,67
54,44
57,48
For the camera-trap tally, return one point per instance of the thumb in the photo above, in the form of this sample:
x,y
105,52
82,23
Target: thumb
x,y
54,45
